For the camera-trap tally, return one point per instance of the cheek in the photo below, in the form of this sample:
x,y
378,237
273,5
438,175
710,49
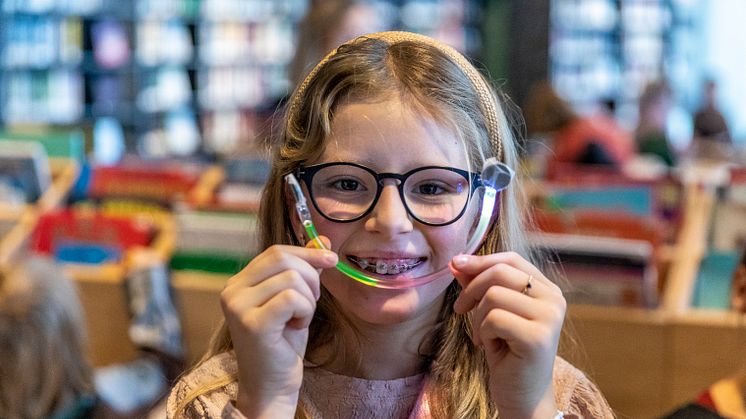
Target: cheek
x,y
337,233
445,243
451,239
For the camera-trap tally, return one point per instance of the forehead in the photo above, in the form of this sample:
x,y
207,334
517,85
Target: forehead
x,y
392,136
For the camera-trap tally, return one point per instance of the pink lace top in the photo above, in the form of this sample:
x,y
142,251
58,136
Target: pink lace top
x,y
327,395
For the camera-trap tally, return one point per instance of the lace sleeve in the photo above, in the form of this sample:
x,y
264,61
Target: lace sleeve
x,y
576,395
178,394
209,390
587,401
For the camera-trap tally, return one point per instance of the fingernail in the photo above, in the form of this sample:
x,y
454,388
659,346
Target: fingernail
x,y
461,260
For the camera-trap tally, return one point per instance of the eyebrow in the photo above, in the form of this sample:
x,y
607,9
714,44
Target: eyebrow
x,y
372,164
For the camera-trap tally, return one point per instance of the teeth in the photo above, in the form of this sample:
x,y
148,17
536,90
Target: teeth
x,y
393,269
381,267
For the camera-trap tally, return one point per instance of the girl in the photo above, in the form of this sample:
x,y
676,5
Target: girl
x,y
302,340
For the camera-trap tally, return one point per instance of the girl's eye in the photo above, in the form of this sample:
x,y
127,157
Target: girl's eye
x,y
430,189
347,184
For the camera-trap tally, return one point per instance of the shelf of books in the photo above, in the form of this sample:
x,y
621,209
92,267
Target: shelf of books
x,y
121,215
216,238
172,78
638,255
710,331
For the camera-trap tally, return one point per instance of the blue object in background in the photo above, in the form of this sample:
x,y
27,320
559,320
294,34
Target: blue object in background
x,y
636,200
86,253
714,281
79,190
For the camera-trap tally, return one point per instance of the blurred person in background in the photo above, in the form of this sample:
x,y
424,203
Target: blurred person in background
x,y
655,104
709,123
595,139
326,24
329,23
44,371
44,368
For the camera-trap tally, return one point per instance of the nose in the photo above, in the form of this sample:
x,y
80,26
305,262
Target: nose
x,y
389,216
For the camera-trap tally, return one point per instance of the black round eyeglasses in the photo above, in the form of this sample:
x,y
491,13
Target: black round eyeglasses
x,y
346,192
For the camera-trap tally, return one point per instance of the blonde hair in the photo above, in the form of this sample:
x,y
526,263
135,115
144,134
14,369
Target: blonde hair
x,y
435,79
42,341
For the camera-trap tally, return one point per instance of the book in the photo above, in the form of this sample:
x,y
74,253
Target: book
x,y
727,229
602,270
87,235
152,182
658,197
65,144
599,224
714,280
24,165
217,232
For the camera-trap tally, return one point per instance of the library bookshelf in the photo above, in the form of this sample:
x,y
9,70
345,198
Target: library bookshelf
x,y
649,361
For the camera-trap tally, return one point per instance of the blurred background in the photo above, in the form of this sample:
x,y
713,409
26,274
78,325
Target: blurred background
x,y
133,138
208,71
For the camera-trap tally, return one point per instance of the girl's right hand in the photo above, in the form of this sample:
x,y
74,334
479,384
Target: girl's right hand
x,y
268,307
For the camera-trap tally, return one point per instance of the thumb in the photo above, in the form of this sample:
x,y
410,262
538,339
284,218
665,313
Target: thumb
x,y
312,244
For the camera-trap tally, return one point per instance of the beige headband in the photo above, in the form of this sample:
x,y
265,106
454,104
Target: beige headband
x,y
486,100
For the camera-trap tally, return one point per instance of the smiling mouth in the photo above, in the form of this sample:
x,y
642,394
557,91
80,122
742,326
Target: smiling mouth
x,y
386,266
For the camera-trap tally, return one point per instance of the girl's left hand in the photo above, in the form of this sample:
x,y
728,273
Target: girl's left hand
x,y
517,324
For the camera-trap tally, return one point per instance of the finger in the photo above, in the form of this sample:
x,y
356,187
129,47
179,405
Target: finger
x,y
279,258
264,291
497,275
506,299
318,258
512,301
499,325
466,267
327,244
289,307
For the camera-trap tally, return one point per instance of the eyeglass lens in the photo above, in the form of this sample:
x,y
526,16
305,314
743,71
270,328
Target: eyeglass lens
x,y
433,195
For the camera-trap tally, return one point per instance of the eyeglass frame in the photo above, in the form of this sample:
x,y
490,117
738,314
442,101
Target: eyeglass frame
x,y
306,174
